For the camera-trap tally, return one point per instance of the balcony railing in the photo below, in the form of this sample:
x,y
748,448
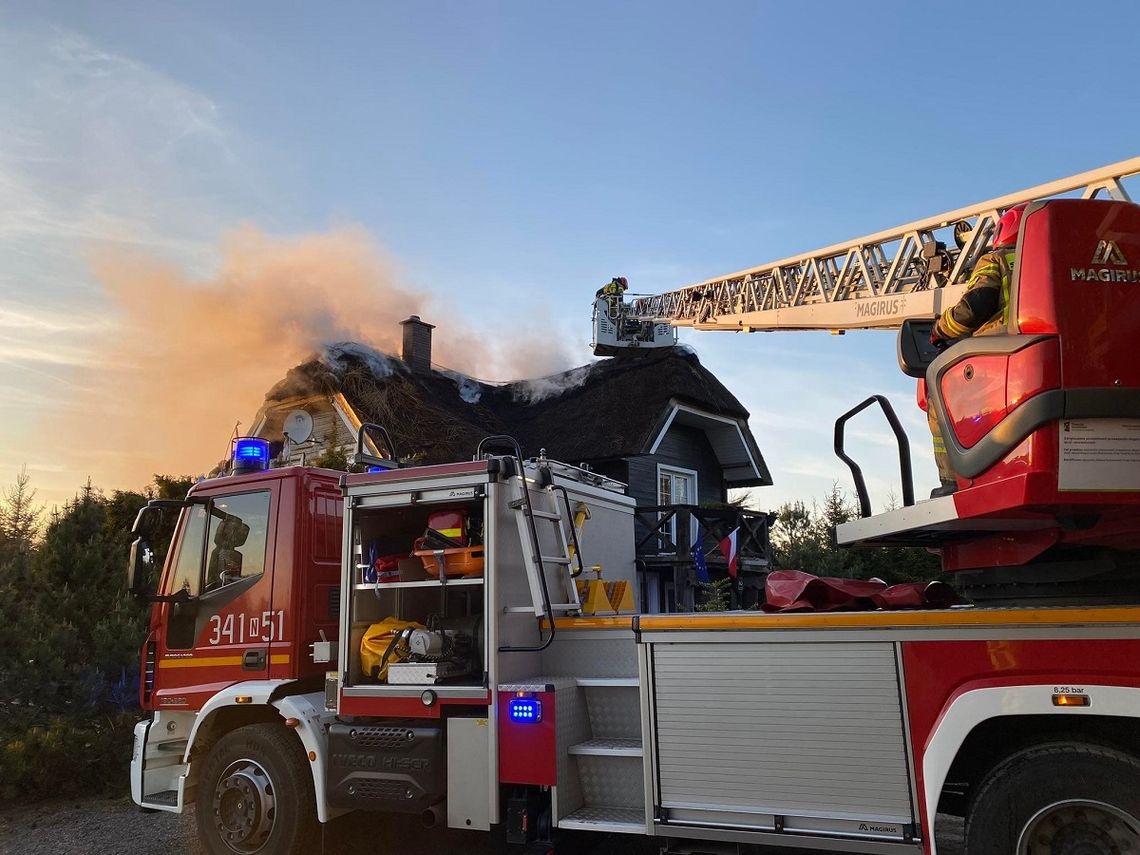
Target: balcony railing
x,y
667,533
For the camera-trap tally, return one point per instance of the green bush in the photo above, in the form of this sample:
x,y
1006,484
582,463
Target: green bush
x,y
69,642
65,757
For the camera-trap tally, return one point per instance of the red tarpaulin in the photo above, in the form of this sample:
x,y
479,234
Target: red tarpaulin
x,y
795,591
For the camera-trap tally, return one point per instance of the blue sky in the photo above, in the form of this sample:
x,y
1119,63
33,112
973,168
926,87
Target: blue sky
x,y
509,158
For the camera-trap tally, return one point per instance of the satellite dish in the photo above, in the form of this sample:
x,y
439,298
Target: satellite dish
x,y
299,426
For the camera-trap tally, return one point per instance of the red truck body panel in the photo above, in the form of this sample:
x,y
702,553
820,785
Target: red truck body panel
x,y
938,672
272,621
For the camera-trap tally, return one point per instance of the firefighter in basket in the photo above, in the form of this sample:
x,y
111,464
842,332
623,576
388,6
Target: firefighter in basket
x,y
983,309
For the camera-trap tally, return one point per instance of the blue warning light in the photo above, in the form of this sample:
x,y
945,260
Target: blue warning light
x,y
250,454
525,710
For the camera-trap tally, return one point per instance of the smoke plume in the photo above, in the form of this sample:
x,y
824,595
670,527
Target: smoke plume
x,y
188,357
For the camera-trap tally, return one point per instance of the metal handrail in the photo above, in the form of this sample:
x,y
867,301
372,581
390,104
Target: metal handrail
x,y
558,488
856,472
370,459
505,441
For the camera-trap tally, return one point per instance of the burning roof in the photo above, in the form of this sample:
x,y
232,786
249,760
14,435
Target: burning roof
x,y
607,409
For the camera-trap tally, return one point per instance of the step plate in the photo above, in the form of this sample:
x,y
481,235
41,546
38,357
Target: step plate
x,y
166,798
618,820
609,747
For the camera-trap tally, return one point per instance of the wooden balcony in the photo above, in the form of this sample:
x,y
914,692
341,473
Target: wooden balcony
x,y
665,539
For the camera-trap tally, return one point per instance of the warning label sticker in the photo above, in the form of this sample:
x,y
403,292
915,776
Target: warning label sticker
x,y
1100,454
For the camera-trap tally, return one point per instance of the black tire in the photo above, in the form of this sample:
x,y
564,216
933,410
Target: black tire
x,y
1066,796
269,762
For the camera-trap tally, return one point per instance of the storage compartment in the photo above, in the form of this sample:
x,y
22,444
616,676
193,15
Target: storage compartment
x,y
383,538
810,734
417,627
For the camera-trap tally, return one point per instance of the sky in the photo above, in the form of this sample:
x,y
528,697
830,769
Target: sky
x,y
192,195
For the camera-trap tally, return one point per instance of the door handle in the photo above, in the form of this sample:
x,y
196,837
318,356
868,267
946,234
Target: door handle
x,y
253,660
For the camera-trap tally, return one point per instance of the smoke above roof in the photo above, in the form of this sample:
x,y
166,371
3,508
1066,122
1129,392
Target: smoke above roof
x,y
191,355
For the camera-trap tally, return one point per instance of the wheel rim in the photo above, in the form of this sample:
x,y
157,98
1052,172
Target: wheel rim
x,y
244,807
1078,827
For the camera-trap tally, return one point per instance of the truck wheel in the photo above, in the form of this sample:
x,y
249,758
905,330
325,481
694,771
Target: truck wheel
x,y
1064,798
255,795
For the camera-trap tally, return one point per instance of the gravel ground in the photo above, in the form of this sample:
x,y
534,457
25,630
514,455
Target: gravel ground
x,y
117,827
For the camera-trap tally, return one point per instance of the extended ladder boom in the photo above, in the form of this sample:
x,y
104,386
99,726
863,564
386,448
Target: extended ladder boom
x,y
877,281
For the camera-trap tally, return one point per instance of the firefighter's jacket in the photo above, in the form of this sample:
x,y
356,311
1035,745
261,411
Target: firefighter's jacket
x,y
985,305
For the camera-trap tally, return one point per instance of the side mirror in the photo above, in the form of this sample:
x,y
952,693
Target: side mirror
x,y
139,569
140,565
914,349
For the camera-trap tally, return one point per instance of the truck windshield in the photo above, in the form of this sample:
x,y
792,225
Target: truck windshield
x,y
237,539
222,542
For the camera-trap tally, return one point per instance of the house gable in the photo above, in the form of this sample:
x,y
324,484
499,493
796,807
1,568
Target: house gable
x,y
732,442
679,447
331,427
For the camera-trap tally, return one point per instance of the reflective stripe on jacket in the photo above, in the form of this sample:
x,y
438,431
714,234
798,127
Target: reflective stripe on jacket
x,y
986,299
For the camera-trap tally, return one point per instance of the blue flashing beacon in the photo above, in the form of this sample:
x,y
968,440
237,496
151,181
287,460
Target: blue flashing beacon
x,y
250,455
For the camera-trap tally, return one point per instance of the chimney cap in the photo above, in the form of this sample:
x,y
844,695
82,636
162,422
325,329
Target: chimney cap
x,y
415,319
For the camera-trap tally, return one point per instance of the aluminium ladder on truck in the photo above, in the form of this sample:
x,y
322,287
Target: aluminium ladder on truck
x,y
872,282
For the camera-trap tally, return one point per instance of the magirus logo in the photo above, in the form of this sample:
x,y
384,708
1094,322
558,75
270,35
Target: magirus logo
x,y
878,827
1106,253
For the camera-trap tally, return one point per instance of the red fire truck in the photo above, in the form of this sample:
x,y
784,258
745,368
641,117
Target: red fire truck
x,y
415,639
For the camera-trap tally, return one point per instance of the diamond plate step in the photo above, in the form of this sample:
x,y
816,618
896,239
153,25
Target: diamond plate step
x,y
603,682
619,820
608,747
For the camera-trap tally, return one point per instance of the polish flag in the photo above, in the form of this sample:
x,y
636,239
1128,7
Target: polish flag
x,y
728,550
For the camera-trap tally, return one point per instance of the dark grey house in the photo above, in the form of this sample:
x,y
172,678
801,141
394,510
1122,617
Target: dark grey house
x,y
658,421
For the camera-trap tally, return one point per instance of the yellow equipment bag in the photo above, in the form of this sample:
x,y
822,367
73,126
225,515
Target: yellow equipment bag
x,y
380,640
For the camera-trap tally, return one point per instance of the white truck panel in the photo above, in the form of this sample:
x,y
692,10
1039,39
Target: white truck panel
x,y
771,732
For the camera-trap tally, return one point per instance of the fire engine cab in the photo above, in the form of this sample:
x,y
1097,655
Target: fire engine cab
x,y
463,642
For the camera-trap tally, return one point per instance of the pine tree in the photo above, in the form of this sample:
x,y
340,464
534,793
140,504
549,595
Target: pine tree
x,y
69,640
717,594
804,539
19,514
332,458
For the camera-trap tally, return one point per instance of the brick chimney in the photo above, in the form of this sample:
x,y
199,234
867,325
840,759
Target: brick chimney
x,y
417,344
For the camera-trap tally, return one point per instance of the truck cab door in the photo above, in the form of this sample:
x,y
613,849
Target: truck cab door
x,y
217,630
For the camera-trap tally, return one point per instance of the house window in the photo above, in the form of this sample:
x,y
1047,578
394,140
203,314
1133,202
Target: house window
x,y
676,486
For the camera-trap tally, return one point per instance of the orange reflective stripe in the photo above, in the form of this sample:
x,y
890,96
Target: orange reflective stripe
x,y
200,662
1088,616
217,661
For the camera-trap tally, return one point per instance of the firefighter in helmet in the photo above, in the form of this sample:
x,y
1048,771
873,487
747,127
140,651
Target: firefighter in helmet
x,y
613,291
983,309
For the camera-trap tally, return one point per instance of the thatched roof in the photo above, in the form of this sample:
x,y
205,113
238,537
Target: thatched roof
x,y
609,409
